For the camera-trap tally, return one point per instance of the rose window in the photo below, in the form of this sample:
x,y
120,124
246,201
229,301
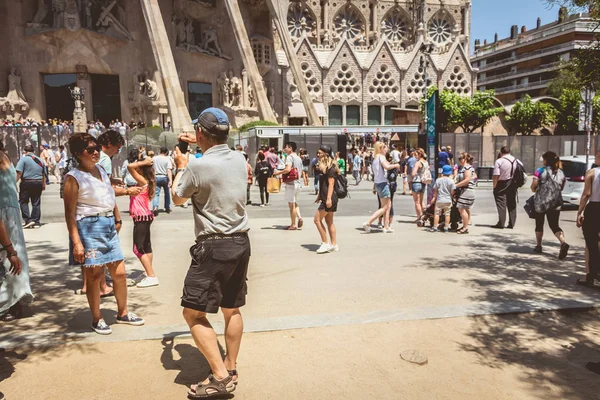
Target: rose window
x,y
395,27
300,21
348,23
439,30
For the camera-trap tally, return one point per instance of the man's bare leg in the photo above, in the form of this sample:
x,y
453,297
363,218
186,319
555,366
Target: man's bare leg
x,y
205,338
292,213
234,328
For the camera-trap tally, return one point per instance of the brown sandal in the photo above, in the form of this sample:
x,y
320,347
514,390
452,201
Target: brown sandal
x,y
234,375
219,388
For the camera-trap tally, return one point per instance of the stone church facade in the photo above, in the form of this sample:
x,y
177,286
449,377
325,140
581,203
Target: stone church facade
x,y
359,58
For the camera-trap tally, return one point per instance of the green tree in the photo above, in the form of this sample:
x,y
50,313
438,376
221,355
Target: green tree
x,y
467,112
568,113
527,116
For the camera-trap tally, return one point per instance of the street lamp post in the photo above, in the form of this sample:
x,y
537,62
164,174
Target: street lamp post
x,y
587,95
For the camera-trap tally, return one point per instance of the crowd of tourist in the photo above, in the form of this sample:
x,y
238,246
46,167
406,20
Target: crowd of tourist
x,y
218,184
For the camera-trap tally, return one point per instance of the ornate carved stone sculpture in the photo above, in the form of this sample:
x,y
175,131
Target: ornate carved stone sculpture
x,y
251,98
40,15
15,93
149,90
223,87
211,38
71,16
78,95
235,91
271,93
58,9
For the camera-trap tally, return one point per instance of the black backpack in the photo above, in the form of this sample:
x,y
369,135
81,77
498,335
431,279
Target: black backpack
x,y
341,186
519,176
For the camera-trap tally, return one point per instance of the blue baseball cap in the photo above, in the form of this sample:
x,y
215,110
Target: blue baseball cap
x,y
213,120
446,170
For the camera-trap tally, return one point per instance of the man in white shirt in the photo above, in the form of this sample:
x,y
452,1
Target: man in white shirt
x,y
61,162
505,192
163,167
395,154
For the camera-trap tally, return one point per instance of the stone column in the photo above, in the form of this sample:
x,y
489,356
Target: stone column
x,y
241,36
375,16
245,100
278,9
326,16
86,85
163,55
467,27
382,115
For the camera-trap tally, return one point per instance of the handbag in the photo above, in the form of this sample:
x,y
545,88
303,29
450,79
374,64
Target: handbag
x,y
273,185
291,176
530,207
548,195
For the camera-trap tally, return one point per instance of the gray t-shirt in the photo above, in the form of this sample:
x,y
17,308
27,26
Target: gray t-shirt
x,y
162,164
217,183
296,162
444,187
106,163
29,169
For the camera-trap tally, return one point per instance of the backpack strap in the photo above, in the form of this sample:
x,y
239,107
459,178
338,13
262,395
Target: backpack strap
x,y
36,160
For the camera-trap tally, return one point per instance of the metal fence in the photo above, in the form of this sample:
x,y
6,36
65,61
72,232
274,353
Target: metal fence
x,y
528,149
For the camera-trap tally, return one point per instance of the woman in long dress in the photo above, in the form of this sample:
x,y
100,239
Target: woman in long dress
x,y
15,291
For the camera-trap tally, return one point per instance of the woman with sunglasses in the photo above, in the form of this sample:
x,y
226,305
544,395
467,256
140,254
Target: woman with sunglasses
x,y
93,221
329,170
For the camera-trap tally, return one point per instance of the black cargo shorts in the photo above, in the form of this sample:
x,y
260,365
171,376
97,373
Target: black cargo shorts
x,y
217,275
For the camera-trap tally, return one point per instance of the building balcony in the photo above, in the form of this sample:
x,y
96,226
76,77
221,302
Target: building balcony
x,y
523,87
573,23
517,74
534,54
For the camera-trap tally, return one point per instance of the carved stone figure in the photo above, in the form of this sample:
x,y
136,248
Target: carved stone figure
x,y
71,16
15,93
251,98
326,40
58,8
40,14
78,96
149,89
223,86
211,38
189,33
235,91
271,93
89,23
109,24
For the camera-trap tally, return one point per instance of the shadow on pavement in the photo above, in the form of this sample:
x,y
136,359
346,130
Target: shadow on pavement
x,y
553,347
191,364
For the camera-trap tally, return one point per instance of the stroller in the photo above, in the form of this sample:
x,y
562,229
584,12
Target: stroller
x,y
429,214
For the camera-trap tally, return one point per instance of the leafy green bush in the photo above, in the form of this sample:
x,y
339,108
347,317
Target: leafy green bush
x,y
250,125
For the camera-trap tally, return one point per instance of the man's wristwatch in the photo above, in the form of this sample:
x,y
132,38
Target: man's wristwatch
x,y
119,222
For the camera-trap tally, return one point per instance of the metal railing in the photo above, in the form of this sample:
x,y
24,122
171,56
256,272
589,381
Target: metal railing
x,y
528,149
528,85
525,56
516,74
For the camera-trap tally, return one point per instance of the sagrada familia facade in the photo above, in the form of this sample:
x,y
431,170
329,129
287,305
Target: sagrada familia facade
x,y
338,62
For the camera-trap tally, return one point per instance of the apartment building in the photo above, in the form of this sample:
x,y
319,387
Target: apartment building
x,y
527,61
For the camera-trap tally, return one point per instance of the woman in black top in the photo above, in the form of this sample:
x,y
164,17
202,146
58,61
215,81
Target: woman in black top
x,y
328,199
262,172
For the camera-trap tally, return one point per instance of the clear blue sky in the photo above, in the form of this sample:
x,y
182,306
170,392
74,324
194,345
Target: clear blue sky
x,y
491,16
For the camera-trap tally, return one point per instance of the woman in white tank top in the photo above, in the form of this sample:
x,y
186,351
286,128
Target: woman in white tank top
x,y
93,220
590,221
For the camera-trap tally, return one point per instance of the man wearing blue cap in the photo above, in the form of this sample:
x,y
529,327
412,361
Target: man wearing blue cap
x,y
216,184
443,191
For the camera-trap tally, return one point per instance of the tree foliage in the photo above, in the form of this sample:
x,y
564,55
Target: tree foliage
x,y
250,125
467,112
526,116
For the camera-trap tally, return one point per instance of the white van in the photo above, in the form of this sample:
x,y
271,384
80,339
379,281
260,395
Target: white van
x,y
574,168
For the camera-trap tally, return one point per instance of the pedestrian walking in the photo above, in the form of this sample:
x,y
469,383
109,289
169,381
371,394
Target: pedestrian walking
x,y
263,172
314,164
357,163
305,165
419,179
93,222
250,179
381,187
392,178
293,184
443,192
15,290
505,190
588,217
141,214
163,168
465,188
548,183
60,159
49,162
217,274
31,173
341,163
328,200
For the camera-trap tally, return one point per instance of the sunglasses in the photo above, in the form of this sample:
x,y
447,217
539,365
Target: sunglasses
x,y
93,149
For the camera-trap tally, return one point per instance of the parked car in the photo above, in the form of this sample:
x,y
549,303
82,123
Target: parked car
x,y
574,168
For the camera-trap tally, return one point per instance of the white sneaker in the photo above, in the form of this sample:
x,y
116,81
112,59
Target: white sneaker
x,y
101,328
148,282
262,205
325,248
333,249
379,226
28,225
388,230
366,227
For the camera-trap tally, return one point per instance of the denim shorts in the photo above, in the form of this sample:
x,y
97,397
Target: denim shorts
x,y
100,241
383,190
418,187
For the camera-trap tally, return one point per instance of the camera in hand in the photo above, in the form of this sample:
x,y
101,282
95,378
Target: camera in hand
x,y
183,146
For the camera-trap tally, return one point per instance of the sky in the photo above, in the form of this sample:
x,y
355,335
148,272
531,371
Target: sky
x,y
491,16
